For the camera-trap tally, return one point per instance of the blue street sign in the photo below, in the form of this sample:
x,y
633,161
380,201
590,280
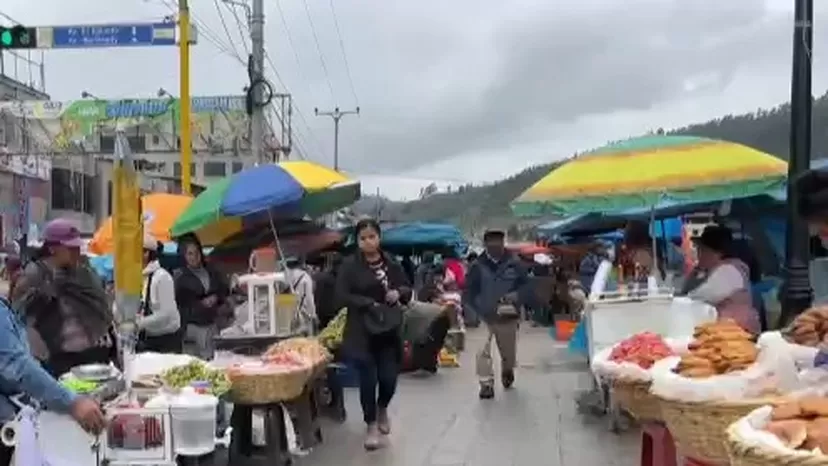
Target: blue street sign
x,y
113,35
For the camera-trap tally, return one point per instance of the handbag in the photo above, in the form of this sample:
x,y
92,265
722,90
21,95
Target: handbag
x,y
381,318
507,311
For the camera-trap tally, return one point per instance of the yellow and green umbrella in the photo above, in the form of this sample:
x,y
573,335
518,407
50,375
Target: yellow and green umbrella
x,y
651,171
286,189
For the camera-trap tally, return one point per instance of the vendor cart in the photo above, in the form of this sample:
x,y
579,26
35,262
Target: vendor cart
x,y
610,317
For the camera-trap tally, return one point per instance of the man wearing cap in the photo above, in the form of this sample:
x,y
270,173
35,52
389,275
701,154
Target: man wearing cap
x,y
493,284
63,304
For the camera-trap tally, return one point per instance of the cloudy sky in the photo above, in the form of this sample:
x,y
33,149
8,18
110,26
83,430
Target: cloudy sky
x,y
465,90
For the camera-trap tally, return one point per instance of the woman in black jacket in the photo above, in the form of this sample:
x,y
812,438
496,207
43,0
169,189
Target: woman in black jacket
x,y
374,288
201,293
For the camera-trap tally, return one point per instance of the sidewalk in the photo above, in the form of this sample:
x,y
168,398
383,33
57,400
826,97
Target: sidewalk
x,y
439,421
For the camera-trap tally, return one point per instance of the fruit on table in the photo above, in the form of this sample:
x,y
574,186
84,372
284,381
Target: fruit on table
x,y
308,349
809,328
331,335
134,431
719,348
197,371
643,349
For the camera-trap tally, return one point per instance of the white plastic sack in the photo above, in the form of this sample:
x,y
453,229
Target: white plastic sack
x,y
750,430
802,355
774,370
603,367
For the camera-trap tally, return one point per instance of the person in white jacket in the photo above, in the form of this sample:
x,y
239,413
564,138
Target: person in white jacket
x,y
159,321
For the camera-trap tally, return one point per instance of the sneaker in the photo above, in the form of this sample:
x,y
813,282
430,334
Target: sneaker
x,y
383,422
372,438
487,391
508,379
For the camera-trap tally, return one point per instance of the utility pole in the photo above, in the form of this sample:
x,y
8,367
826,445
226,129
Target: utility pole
x,y
184,97
255,69
798,294
336,115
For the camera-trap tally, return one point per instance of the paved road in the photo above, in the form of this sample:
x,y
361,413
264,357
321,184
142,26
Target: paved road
x,y
439,421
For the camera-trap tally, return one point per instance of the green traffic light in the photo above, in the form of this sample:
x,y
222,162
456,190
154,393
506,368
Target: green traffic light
x,y
6,38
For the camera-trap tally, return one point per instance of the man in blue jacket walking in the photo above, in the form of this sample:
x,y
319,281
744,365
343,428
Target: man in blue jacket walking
x,y
493,284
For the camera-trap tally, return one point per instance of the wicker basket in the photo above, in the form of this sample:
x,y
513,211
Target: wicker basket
x,y
256,389
743,454
634,397
699,427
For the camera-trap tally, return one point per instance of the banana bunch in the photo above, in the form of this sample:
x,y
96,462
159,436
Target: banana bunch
x,y
331,335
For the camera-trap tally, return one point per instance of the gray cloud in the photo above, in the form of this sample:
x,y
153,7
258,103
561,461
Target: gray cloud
x,y
443,80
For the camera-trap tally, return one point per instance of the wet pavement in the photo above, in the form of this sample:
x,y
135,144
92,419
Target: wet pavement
x,y
439,421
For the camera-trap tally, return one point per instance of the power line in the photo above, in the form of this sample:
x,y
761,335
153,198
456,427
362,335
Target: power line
x,y
242,28
344,54
319,51
227,30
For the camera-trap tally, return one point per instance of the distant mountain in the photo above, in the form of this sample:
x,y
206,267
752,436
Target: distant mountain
x,y
474,207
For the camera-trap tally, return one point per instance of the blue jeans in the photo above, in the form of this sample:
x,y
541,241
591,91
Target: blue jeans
x,y
378,371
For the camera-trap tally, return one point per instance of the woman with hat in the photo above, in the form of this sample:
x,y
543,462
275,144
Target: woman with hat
x,y
727,286
159,322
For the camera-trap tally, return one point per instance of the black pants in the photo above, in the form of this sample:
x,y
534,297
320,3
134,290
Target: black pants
x,y
172,343
424,354
60,363
378,371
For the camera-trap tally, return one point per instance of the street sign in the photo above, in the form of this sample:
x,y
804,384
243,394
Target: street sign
x,y
107,35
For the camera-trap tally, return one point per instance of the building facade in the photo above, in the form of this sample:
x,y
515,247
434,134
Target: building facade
x,y
24,186
73,142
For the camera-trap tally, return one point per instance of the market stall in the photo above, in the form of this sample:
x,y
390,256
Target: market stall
x,y
176,405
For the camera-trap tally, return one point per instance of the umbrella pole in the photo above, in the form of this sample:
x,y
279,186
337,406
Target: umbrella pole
x,y
653,273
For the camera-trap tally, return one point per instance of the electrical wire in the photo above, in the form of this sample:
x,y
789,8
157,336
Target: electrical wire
x,y
344,54
244,28
319,51
227,30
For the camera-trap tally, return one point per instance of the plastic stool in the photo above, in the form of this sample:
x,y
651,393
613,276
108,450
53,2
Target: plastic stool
x,y
657,446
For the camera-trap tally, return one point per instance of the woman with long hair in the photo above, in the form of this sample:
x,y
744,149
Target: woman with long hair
x,y
374,288
201,293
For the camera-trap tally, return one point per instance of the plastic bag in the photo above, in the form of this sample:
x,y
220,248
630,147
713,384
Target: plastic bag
x,y
750,430
773,372
803,356
603,367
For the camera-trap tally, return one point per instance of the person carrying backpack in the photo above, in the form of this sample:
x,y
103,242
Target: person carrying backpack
x,y
159,321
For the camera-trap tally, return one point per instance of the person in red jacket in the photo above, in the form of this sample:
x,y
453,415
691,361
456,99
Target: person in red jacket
x,y
454,268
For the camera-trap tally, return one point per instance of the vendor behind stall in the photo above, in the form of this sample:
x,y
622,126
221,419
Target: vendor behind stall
x,y
727,286
201,293
63,304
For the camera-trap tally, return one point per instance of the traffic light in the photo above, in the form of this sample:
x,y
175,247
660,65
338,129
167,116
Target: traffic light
x,y
18,37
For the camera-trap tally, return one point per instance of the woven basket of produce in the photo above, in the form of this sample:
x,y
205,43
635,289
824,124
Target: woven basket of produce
x,y
634,397
699,427
791,433
627,366
254,386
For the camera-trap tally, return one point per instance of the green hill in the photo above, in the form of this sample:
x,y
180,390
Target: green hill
x,y
474,207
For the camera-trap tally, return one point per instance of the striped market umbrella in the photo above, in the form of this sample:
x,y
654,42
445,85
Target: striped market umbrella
x,y
651,171
291,189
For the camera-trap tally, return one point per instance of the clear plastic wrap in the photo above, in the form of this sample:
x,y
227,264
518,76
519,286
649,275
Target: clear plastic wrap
x,y
774,372
603,368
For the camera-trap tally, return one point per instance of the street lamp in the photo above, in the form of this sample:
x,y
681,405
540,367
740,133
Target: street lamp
x,y
89,95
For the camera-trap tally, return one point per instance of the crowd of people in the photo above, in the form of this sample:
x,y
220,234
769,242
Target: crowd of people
x,y
59,314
